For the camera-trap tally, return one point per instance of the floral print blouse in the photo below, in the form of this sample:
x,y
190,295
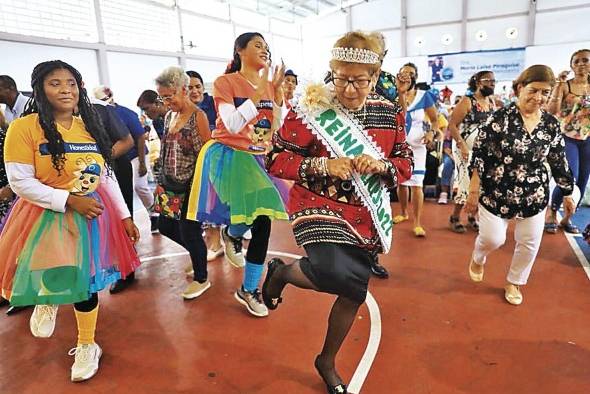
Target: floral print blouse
x,y
514,165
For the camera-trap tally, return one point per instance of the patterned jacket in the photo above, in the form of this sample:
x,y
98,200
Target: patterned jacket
x,y
325,209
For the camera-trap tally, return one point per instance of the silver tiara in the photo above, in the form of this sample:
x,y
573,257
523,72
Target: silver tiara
x,y
355,55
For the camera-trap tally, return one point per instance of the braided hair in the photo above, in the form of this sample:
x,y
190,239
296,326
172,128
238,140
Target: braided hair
x,y
241,43
39,104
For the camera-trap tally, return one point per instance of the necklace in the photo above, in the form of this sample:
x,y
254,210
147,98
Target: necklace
x,y
246,78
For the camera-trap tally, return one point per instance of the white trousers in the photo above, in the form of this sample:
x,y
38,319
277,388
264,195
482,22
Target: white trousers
x,y
141,187
527,234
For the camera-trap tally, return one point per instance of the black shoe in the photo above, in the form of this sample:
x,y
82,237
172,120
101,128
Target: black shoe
x,y
154,224
271,303
340,388
13,310
122,284
377,269
3,302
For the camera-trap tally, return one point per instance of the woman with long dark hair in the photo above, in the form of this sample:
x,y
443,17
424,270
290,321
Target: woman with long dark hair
x,y
231,186
70,234
471,111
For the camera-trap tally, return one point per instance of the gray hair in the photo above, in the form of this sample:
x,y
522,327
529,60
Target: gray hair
x,y
173,77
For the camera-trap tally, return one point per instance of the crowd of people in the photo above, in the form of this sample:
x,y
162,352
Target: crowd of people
x,y
329,158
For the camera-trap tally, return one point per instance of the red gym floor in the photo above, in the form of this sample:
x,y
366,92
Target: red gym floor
x,y
439,332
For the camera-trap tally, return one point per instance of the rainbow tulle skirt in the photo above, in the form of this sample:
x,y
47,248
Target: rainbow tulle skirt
x,y
232,187
48,257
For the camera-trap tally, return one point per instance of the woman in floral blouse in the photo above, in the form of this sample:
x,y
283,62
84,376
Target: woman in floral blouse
x,y
571,101
512,155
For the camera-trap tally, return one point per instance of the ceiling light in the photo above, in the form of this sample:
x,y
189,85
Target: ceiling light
x,y
481,35
446,39
512,33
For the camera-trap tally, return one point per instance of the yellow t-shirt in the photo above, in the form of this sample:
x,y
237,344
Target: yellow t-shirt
x,y
26,144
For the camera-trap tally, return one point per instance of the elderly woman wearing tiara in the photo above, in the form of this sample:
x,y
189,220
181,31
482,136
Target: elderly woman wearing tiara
x,y
342,150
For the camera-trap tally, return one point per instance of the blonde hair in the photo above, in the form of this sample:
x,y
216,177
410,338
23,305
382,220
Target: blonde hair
x,y
359,40
173,77
536,73
380,38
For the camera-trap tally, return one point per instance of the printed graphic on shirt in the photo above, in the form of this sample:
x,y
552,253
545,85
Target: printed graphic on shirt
x,y
260,133
87,177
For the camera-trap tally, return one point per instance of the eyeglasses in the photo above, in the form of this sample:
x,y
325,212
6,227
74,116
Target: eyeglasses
x,y
487,80
167,98
357,83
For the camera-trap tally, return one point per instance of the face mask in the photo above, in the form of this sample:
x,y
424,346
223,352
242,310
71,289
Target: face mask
x,y
486,91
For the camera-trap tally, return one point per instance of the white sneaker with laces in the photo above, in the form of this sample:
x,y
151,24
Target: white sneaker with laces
x,y
233,249
42,322
85,362
252,301
443,198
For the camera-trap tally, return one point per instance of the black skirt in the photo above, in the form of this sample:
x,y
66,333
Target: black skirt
x,y
339,269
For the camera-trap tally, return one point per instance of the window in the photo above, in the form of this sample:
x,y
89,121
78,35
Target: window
x,y
60,19
138,24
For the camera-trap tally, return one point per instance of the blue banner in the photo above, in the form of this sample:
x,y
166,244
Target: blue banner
x,y
459,67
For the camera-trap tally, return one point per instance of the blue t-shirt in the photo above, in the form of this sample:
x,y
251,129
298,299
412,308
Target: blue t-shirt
x,y
208,105
158,124
130,119
427,100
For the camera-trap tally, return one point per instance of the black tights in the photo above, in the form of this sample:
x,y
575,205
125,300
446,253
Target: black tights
x,y
188,234
88,305
340,320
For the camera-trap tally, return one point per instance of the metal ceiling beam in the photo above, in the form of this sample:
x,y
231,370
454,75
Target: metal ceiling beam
x,y
464,10
404,27
531,22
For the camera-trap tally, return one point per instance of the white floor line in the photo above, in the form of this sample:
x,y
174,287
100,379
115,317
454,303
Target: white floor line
x,y
571,239
364,366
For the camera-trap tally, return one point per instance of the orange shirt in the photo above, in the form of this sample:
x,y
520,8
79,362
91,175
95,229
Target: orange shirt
x,y
255,136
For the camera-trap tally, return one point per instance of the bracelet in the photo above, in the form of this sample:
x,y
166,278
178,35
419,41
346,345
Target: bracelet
x,y
320,166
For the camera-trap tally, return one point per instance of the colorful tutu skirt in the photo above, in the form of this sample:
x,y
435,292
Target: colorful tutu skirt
x,y
232,187
48,257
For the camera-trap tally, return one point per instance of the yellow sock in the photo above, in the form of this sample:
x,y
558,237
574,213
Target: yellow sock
x,y
86,326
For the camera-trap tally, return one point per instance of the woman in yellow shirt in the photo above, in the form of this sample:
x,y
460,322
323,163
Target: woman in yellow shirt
x,y
70,233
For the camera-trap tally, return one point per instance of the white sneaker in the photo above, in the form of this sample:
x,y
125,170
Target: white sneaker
x,y
443,198
252,301
85,362
42,322
195,289
233,249
248,235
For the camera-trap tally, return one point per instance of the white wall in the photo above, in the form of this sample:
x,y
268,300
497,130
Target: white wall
x,y
377,15
555,56
132,74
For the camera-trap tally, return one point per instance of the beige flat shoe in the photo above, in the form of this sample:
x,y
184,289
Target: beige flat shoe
x,y
512,294
475,276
